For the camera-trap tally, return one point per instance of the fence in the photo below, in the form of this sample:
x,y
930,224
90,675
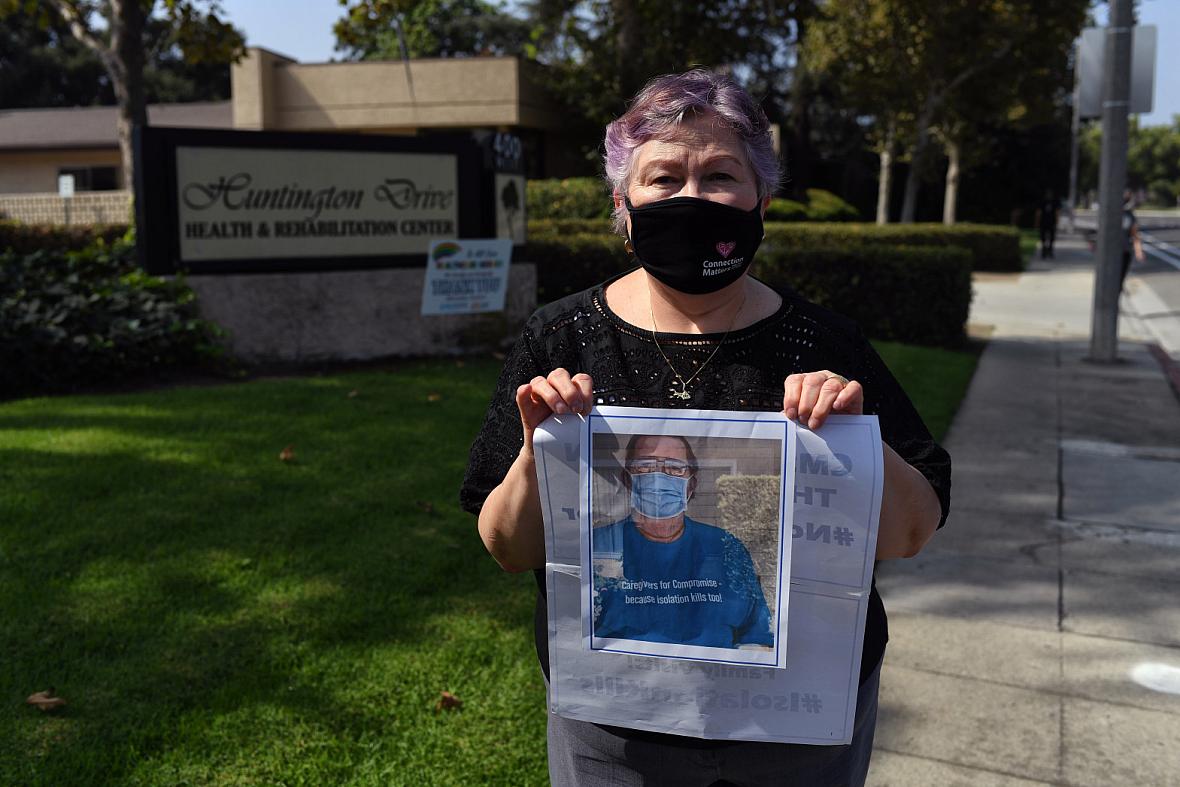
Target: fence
x,y
86,207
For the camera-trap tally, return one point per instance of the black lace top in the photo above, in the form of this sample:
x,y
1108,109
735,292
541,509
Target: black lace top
x,y
581,334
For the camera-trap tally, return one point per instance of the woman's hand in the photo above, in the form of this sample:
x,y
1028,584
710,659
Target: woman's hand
x,y
557,393
810,398
909,508
510,522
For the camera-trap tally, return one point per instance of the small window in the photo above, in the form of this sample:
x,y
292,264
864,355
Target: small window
x,y
93,178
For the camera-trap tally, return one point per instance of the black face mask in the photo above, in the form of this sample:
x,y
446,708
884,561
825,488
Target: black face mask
x,y
695,245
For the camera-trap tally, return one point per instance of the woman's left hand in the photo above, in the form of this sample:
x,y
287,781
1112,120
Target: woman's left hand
x,y
810,398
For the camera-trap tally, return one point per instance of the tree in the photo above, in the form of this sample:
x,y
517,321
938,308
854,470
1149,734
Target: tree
x,y
430,28
200,34
926,56
1030,87
1153,160
858,46
598,53
44,66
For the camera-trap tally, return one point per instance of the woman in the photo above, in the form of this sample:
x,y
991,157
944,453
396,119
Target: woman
x,y
692,169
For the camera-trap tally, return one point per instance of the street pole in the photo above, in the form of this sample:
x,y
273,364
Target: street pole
x,y
1112,178
1075,130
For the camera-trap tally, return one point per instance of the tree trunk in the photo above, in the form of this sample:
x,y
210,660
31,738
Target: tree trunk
x,y
909,206
124,63
885,179
629,45
800,154
951,197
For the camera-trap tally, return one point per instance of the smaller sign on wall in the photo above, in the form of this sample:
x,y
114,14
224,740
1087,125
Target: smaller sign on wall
x,y
466,276
511,215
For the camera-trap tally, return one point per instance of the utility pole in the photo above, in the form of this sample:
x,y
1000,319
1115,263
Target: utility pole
x,y
1075,130
1112,178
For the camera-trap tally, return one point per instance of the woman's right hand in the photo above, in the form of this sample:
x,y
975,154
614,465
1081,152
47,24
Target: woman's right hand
x,y
557,393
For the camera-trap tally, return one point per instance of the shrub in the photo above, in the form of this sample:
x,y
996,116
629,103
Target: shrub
x,y
558,228
572,198
826,206
572,262
992,248
906,293
21,238
92,316
781,209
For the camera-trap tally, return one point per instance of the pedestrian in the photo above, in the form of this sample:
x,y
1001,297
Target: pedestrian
x,y
1047,222
1130,231
691,168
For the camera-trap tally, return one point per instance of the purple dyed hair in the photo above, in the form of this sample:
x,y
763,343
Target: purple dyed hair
x,y
665,102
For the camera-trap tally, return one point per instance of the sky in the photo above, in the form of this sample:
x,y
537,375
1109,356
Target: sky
x,y
302,29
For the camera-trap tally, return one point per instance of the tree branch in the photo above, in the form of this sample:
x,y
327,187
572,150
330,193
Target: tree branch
x,y
78,26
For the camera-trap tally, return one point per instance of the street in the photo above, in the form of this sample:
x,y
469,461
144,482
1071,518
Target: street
x,y
1152,293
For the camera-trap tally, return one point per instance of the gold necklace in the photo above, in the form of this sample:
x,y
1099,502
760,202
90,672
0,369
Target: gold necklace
x,y
683,393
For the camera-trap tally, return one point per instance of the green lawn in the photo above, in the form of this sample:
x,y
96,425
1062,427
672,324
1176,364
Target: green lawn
x,y
213,615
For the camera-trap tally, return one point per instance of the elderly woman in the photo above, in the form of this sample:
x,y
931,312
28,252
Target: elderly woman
x,y
692,170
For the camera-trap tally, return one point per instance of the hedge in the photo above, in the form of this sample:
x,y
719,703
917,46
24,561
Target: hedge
x,y
992,248
782,209
71,319
571,198
912,294
21,238
822,206
588,198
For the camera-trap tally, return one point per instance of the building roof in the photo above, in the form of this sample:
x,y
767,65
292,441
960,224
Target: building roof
x,y
94,127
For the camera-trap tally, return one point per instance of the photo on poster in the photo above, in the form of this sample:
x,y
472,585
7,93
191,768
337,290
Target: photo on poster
x,y
685,548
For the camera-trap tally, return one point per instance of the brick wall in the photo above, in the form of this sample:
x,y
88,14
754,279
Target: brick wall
x,y
86,207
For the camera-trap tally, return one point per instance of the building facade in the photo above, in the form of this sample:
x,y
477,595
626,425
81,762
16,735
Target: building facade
x,y
271,92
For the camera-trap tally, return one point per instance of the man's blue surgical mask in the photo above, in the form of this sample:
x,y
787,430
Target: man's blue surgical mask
x,y
659,495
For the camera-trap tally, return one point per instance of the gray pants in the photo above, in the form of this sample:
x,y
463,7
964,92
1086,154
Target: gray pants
x,y
585,755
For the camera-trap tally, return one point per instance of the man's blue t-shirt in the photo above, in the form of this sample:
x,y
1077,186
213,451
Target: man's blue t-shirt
x,y
700,589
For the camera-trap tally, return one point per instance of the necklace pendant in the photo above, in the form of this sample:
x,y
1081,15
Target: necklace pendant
x,y
682,393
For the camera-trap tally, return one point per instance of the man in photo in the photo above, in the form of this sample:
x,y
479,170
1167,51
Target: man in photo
x,y
661,576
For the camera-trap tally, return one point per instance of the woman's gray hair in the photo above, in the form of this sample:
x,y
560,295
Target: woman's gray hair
x,y
665,102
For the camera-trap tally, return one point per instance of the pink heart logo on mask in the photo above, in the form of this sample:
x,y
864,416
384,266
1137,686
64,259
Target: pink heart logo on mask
x,y
725,249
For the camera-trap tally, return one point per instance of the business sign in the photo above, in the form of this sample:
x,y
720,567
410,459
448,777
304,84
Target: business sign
x,y
466,276
239,203
221,201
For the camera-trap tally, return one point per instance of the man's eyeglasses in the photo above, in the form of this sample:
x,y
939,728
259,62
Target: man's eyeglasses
x,y
677,468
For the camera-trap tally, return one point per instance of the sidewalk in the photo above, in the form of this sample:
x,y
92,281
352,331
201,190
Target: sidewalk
x,y
1036,639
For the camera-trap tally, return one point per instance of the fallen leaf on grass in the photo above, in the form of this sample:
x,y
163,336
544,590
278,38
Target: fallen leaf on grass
x,y
434,397
459,364
287,454
46,701
447,701
425,506
354,393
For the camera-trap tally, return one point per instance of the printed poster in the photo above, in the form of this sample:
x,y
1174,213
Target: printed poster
x,y
466,276
677,674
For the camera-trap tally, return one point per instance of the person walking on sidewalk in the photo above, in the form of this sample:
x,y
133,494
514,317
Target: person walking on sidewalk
x,y
1131,242
1047,222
